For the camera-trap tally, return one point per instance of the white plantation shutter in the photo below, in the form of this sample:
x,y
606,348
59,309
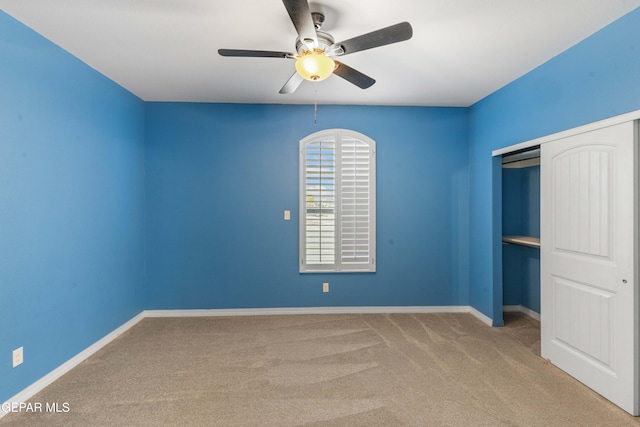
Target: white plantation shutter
x,y
320,202
355,201
337,202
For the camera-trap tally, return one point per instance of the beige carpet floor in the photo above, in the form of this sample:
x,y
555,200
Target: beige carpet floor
x,y
323,370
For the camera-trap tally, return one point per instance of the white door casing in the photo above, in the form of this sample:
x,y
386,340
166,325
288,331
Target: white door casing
x,y
588,259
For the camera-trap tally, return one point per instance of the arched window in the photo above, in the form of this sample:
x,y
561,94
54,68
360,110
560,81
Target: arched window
x,y
337,202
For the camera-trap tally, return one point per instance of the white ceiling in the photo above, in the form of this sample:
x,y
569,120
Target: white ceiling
x,y
461,50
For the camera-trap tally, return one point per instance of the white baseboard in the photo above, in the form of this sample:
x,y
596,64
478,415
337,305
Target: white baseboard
x,y
481,316
43,382
320,310
308,310
521,309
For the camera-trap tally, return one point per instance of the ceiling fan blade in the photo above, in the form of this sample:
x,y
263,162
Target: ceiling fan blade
x,y
254,53
353,76
300,15
393,34
292,84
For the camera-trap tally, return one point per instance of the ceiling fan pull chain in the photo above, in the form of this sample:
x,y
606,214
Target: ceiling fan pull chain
x,y
315,106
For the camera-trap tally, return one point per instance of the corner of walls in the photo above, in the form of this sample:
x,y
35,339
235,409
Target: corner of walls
x,y
461,254
146,285
72,205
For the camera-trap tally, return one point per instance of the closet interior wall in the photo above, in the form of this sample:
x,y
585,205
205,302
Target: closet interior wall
x,y
521,218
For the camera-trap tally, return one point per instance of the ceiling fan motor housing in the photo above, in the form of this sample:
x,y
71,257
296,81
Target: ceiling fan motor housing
x,y
325,40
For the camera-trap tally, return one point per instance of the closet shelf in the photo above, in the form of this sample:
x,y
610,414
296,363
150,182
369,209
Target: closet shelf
x,y
532,242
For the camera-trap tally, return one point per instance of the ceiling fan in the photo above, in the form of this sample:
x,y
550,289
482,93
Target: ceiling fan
x,y
316,49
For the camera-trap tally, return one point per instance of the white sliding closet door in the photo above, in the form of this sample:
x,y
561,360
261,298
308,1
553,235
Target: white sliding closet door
x,y
588,260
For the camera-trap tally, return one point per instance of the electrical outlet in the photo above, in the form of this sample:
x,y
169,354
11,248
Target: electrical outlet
x,y
325,287
17,357
287,215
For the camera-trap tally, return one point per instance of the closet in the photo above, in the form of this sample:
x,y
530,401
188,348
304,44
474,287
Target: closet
x,y
521,231
577,192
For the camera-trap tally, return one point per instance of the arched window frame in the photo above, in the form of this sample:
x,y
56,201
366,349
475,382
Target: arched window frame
x,y
337,177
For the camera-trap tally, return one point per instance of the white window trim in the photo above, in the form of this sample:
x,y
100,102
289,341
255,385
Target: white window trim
x,y
338,267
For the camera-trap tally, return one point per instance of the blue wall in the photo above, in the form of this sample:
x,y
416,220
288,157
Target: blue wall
x,y
219,177
71,205
521,217
521,201
595,79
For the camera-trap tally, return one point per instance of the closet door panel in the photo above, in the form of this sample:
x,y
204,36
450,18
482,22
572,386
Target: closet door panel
x,y
587,259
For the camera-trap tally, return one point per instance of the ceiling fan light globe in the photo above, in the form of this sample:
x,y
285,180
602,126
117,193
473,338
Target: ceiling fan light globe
x,y
315,66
